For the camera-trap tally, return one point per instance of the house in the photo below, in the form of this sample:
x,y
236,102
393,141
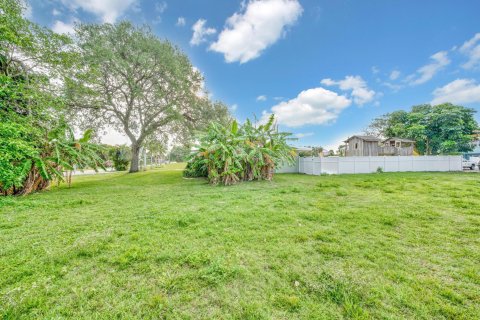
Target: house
x,y
365,146
396,147
361,146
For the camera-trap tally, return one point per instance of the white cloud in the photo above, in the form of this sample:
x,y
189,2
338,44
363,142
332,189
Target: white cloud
x,y
200,32
458,91
262,98
394,87
360,92
303,135
394,75
471,49
108,10
64,28
312,106
425,73
257,26
55,12
278,98
337,141
375,70
160,7
233,107
181,22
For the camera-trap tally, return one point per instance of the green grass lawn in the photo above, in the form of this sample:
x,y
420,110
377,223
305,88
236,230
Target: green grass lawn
x,y
155,245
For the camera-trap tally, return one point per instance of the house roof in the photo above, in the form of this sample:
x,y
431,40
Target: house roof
x,y
398,139
365,138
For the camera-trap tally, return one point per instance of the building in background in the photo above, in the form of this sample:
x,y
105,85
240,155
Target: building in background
x,y
362,146
396,147
370,146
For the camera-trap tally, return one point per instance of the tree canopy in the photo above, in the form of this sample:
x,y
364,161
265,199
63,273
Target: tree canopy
x,y
36,144
115,75
128,78
441,129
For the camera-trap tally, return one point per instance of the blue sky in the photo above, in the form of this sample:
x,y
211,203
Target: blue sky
x,y
325,68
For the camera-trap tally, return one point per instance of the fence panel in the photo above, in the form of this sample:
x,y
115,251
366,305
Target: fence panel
x,y
330,165
340,165
405,164
346,165
294,168
391,164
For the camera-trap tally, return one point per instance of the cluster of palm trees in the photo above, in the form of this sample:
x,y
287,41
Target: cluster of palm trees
x,y
233,153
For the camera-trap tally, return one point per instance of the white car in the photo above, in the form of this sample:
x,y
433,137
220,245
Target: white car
x,y
469,164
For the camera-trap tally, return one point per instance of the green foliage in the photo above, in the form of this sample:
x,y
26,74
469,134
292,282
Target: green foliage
x,y
179,153
314,152
229,154
36,144
17,151
120,156
29,161
204,113
441,129
127,77
196,169
68,153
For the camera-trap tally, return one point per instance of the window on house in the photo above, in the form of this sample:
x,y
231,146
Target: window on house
x,y
356,145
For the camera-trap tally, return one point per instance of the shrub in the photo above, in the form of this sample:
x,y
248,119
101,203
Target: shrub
x,y
195,169
229,154
30,161
17,151
120,157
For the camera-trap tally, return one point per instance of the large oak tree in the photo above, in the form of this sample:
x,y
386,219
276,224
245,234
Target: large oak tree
x,y
128,78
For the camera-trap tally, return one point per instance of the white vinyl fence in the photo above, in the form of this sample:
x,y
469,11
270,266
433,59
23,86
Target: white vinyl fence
x,y
340,165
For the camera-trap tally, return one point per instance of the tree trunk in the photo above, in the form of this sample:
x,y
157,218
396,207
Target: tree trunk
x,y
135,158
